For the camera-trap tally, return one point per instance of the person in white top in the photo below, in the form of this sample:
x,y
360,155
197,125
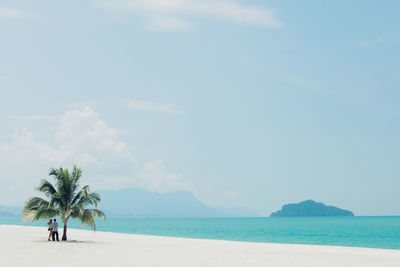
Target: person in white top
x,y
50,224
55,230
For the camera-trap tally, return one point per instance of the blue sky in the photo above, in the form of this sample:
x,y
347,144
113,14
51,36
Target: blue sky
x,y
244,103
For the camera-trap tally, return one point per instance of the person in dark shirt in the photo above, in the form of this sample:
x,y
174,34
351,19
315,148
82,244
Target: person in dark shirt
x,y
55,230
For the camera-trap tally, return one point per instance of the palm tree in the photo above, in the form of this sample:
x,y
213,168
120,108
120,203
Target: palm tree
x,y
64,200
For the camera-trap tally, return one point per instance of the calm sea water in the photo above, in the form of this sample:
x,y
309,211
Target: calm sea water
x,y
374,232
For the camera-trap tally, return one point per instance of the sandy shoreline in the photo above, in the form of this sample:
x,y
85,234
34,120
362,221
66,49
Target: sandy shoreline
x,y
28,246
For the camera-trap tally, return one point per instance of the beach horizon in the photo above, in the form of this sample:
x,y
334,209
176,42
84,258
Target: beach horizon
x,y
331,231
28,246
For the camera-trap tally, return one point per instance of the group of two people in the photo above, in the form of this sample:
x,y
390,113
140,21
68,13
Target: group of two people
x,y
53,230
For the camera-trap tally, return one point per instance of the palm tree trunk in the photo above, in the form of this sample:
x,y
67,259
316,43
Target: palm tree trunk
x,y
64,237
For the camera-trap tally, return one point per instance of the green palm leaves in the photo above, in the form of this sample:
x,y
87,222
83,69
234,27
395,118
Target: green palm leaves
x,y
64,199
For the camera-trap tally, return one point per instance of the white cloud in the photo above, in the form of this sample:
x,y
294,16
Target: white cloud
x,y
24,148
182,12
10,13
154,177
151,106
23,162
2,78
82,137
83,104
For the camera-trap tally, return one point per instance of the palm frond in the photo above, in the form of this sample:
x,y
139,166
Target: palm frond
x,y
34,204
63,182
76,174
88,198
87,217
94,199
57,201
98,213
59,177
79,195
37,208
46,187
45,213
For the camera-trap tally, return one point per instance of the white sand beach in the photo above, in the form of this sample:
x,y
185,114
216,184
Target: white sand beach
x,y
28,246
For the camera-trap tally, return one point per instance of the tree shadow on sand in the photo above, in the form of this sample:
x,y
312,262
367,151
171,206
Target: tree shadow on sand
x,y
70,242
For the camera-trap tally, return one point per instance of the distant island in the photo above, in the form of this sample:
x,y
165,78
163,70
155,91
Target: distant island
x,y
310,208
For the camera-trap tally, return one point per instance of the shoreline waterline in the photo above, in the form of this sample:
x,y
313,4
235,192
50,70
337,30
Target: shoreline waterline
x,y
364,232
93,232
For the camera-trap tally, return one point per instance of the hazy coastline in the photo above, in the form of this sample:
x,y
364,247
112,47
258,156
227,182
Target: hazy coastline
x,y
336,231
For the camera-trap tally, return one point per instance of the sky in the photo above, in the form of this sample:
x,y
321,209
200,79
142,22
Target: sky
x,y
244,103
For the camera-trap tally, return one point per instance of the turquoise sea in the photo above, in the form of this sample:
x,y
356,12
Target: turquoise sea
x,y
373,232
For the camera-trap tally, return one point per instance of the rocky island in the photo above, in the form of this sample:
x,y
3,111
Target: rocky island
x,y
310,208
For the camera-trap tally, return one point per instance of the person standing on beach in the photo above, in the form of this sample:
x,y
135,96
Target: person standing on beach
x,y
50,224
55,230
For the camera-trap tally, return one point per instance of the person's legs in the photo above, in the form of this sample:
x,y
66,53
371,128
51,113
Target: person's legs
x,y
53,235
50,234
57,236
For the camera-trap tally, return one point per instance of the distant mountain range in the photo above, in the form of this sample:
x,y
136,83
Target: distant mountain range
x,y
146,204
9,211
142,203
310,208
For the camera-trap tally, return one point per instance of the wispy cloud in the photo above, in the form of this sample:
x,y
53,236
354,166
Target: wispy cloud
x,y
47,118
2,78
380,40
317,86
10,13
168,24
155,177
151,106
180,14
83,104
